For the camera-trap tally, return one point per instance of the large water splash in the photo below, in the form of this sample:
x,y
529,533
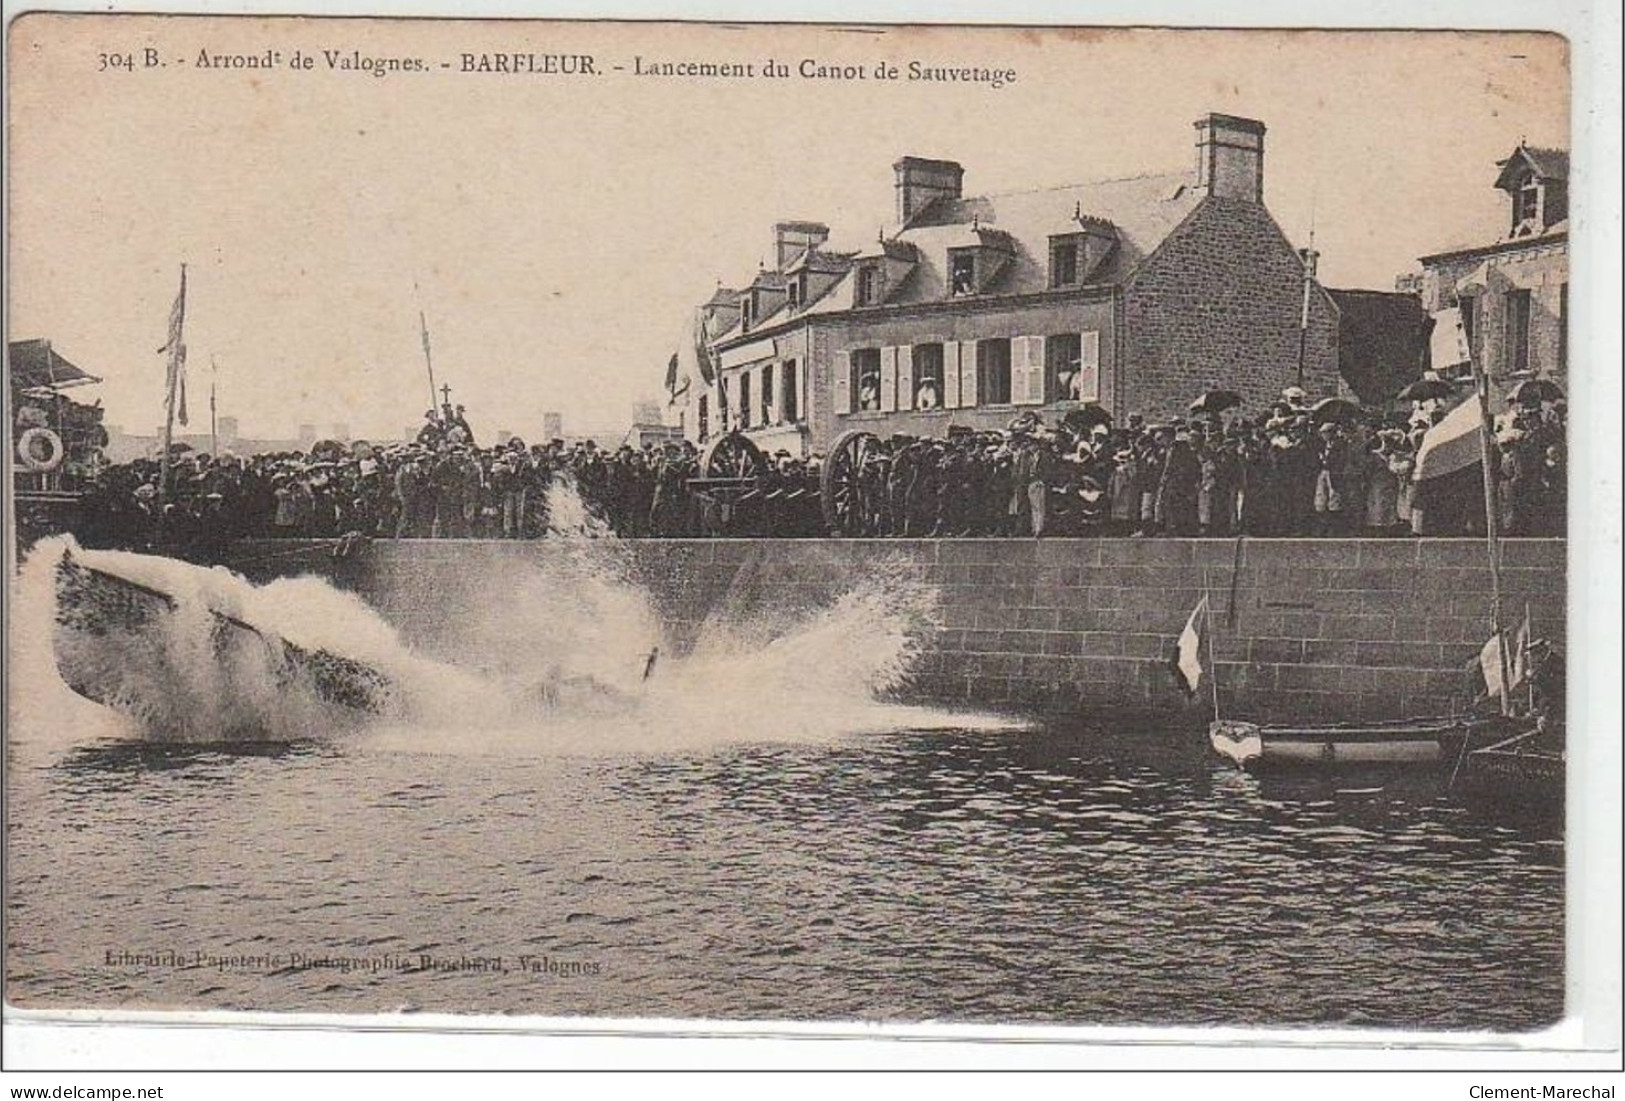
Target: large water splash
x,y
569,657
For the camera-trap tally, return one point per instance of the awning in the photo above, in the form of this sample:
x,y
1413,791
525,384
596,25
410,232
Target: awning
x,y
36,365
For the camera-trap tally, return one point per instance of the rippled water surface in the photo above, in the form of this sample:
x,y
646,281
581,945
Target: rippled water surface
x,y
1015,876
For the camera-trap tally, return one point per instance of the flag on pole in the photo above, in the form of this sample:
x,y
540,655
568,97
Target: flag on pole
x,y
677,380
175,382
1447,346
1188,656
1520,652
1489,661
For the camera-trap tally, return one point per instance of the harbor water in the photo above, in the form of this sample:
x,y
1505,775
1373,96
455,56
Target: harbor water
x,y
753,833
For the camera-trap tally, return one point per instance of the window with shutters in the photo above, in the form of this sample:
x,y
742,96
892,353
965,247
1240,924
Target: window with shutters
x,y
1062,355
928,382
744,400
768,414
993,371
866,379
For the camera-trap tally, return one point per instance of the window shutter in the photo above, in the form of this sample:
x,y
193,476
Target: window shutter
x,y
1035,369
888,380
842,382
1089,367
950,375
1018,371
970,391
905,376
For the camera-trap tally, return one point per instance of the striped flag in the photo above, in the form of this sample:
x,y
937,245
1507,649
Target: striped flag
x,y
1451,445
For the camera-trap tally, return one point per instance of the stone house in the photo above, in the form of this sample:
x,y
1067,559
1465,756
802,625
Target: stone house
x,y
1513,287
1136,294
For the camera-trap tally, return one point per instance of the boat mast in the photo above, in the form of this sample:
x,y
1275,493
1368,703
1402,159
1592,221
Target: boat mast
x,y
1213,665
1481,383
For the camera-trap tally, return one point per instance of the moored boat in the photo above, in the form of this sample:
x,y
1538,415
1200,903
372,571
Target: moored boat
x,y
1429,740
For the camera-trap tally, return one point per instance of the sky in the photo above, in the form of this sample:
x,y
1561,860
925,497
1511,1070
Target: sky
x,y
556,232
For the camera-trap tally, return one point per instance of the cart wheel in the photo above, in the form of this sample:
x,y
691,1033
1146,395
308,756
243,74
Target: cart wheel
x,y
841,491
732,456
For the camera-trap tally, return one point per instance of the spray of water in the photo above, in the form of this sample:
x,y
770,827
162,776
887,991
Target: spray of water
x,y
545,660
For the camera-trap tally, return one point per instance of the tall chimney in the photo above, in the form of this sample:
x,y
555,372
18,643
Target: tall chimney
x,y
791,239
1230,157
921,182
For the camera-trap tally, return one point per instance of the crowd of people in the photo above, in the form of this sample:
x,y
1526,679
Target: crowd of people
x,y
1287,472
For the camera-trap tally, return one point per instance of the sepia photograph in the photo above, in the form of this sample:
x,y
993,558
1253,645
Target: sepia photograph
x,y
863,525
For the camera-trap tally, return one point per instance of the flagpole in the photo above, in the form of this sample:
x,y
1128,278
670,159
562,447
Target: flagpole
x,y
177,357
214,429
1213,674
1492,525
428,360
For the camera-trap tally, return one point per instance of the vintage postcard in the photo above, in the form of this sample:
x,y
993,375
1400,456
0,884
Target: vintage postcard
x,y
915,526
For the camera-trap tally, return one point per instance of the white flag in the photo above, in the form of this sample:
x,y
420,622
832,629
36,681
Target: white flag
x,y
1448,346
1189,662
1489,660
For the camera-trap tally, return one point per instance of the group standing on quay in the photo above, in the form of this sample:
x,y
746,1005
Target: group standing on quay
x,y
1286,472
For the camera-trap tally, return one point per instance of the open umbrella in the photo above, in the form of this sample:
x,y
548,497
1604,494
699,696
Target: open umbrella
x,y
1536,391
327,447
1333,409
1082,421
1426,389
179,447
1216,401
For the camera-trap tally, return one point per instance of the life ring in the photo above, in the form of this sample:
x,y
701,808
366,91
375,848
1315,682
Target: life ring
x,y
34,438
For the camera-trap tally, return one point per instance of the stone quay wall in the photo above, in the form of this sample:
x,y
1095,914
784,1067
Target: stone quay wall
x,y
1323,628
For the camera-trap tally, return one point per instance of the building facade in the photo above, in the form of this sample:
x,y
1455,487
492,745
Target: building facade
x,y
1134,294
1513,288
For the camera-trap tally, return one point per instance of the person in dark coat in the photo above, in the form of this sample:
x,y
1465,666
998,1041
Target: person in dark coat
x,y
1180,487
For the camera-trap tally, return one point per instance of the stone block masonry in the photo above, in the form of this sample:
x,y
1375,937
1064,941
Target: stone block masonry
x,y
1322,629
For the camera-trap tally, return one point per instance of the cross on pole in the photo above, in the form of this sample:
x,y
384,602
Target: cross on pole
x,y
445,393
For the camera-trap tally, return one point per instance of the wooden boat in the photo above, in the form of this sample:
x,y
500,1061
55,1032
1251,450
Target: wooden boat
x,y
1419,741
1530,767
93,604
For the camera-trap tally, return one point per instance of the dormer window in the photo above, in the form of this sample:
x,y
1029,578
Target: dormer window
x,y
1526,201
867,291
1063,261
747,315
796,289
961,271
